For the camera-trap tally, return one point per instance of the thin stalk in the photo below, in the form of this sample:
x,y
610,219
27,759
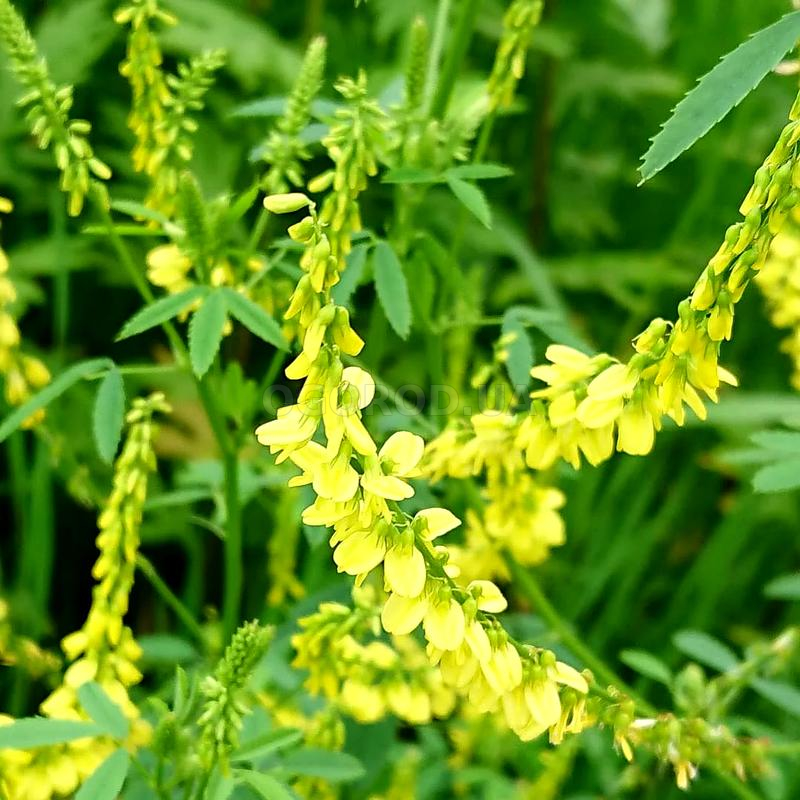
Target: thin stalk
x,y
147,569
437,45
462,35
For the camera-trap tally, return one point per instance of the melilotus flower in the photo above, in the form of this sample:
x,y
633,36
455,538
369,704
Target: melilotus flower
x,y
104,649
22,374
48,108
368,679
520,19
359,486
779,280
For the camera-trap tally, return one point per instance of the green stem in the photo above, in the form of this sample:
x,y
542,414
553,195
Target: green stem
x,y
147,569
437,45
462,34
484,138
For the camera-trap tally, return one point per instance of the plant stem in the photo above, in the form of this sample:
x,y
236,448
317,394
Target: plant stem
x,y
437,45
147,569
462,34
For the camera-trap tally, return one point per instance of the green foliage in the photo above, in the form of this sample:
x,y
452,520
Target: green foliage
x,y
109,414
392,289
106,781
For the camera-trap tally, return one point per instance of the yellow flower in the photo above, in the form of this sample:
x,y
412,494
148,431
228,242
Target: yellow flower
x,y
398,458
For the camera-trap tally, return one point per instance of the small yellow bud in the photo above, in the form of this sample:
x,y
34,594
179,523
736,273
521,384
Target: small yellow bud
x,y
286,203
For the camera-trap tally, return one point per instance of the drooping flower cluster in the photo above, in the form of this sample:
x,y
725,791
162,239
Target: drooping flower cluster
x,y
779,280
104,649
520,19
22,374
473,651
48,108
368,680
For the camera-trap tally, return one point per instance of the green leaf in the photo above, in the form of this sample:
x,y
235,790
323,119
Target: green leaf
x,y
351,276
50,392
108,416
520,350
472,198
779,441
784,587
779,477
103,710
160,311
477,172
254,318
29,732
265,785
410,175
165,649
327,764
106,781
647,664
271,742
137,210
719,91
205,332
705,649
782,694
390,283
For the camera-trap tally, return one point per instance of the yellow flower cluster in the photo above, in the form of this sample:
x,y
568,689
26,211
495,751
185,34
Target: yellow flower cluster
x,y
23,374
519,513
352,144
779,280
142,68
520,19
104,649
48,108
473,651
367,681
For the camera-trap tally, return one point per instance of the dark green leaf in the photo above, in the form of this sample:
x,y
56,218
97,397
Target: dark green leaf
x,y
50,392
254,318
472,198
647,664
781,694
410,175
779,477
720,90
265,785
104,711
271,742
519,350
390,283
160,311
705,649
205,332
785,587
354,269
23,734
106,781
327,764
477,172
109,414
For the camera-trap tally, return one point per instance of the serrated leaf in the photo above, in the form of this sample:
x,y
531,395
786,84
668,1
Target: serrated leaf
x,y
103,710
520,354
392,289
205,332
780,441
472,198
327,764
159,312
781,694
736,75
647,664
54,389
351,276
779,477
106,781
254,318
108,415
265,785
705,649
271,742
29,732
478,172
410,175
784,587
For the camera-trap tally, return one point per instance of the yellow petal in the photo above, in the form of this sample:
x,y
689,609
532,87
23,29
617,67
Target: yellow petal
x,y
404,570
438,521
445,624
401,615
489,597
402,452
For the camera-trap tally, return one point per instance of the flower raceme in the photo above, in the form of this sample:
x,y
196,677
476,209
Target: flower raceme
x,y
358,489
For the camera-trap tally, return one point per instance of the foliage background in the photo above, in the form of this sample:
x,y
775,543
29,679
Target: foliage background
x,y
674,541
